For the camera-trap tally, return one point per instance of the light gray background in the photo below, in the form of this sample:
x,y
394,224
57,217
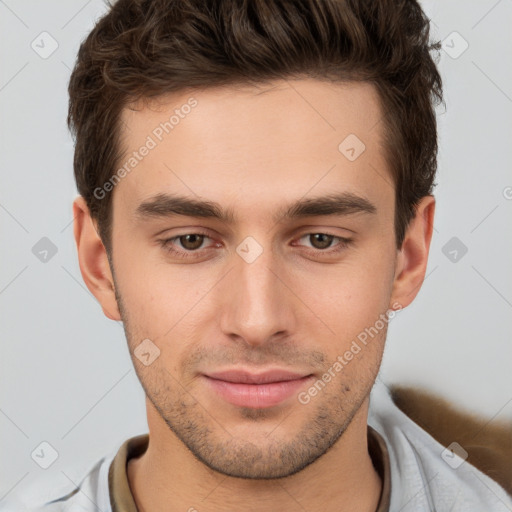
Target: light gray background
x,y
66,376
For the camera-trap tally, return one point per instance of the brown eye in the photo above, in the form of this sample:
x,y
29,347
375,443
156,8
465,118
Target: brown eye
x,y
320,245
191,242
189,246
321,240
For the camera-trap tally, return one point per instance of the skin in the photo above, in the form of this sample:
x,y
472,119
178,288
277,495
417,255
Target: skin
x,y
295,307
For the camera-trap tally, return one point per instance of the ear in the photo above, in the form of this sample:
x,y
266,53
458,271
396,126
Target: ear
x,y
93,261
411,263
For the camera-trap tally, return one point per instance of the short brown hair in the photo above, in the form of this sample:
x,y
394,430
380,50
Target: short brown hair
x,y
146,48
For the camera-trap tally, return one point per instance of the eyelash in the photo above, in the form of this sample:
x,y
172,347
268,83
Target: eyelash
x,y
166,244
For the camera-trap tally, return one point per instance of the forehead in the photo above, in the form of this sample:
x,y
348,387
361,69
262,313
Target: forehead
x,y
280,141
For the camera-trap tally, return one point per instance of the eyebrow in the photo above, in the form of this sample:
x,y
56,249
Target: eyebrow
x,y
167,205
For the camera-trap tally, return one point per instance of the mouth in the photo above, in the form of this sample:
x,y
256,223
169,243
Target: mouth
x,y
256,390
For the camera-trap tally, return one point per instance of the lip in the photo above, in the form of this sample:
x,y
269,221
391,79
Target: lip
x,y
246,377
256,390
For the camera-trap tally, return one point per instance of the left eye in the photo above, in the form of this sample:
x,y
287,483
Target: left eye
x,y
319,240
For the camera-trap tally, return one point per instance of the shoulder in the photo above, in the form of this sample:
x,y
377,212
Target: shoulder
x,y
90,494
425,474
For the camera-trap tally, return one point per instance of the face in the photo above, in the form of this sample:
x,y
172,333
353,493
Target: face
x,y
253,247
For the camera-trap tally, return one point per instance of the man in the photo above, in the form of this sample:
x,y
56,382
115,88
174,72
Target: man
x,y
256,205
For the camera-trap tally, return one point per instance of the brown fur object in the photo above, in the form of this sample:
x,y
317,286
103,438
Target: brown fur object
x,y
487,441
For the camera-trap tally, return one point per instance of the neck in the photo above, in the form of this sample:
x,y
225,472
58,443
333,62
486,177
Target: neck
x,y
168,477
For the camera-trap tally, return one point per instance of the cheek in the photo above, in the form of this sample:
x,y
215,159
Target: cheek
x,y
141,288
348,298
159,299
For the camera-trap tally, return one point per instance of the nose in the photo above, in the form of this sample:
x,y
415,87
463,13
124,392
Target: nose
x,y
257,304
